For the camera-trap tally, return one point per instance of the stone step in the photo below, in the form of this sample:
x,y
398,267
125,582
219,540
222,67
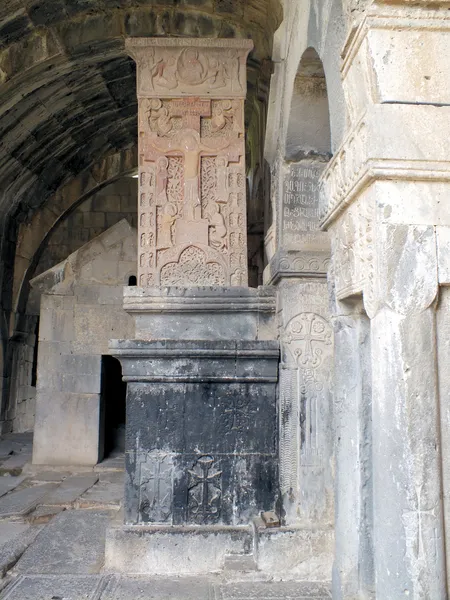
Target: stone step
x,y
112,587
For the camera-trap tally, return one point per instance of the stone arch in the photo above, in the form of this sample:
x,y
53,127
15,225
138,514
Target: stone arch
x,y
308,131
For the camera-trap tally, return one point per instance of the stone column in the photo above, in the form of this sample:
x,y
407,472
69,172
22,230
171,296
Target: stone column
x,y
353,565
382,205
201,435
297,267
192,199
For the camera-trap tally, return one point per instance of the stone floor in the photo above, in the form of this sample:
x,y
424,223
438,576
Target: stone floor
x,y
52,532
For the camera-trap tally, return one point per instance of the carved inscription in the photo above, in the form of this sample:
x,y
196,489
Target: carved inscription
x,y
192,163
205,492
300,210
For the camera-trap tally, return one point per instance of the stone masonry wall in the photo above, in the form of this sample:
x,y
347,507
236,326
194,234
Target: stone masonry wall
x,y
113,203
93,216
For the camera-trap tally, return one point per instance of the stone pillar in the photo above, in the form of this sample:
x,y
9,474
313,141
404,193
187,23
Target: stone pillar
x,y
297,267
353,565
201,434
382,205
192,198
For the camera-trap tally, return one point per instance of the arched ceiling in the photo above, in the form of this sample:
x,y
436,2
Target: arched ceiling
x,y
67,93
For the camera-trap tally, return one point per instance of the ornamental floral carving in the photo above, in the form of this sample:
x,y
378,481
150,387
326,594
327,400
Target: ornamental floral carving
x,y
192,161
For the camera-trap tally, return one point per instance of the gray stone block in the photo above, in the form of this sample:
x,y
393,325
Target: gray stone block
x,y
173,550
66,428
12,550
8,483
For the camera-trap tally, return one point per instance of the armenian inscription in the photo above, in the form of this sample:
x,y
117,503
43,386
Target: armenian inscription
x,y
300,210
192,209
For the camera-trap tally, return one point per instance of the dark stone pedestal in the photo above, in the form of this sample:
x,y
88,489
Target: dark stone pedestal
x,y
202,433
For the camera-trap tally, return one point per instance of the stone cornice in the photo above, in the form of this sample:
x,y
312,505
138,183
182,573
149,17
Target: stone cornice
x,y
374,150
408,14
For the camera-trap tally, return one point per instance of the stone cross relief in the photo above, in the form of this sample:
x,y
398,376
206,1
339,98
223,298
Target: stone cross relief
x,y
192,194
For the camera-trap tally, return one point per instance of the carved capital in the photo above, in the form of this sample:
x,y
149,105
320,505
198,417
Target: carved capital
x,y
173,67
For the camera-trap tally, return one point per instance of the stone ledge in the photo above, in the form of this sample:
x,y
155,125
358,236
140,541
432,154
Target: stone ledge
x,y
204,299
197,360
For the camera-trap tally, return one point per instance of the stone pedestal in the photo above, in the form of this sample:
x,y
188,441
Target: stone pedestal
x,y
201,438
201,373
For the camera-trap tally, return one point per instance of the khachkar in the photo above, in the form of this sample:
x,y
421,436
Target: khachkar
x,y
192,201
201,449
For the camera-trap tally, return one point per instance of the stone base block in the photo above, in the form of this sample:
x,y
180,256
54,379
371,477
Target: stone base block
x,y
297,553
291,553
174,550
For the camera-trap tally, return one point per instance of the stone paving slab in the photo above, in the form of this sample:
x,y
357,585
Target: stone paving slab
x,y
50,476
108,492
70,489
9,483
16,504
273,591
72,543
141,588
116,587
71,587
43,514
16,463
12,550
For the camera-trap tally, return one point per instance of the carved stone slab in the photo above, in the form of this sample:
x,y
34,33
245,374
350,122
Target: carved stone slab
x,y
192,186
170,67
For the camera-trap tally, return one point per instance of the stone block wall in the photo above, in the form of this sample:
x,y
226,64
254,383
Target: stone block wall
x,y
98,213
91,218
81,310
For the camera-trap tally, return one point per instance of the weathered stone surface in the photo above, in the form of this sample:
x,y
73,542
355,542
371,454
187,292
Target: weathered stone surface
x,y
277,591
176,551
70,587
43,514
139,588
12,550
72,543
106,493
179,471
8,483
202,313
70,489
22,502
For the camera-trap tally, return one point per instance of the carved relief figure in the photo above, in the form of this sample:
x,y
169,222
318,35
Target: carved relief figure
x,y
161,180
191,137
165,232
217,228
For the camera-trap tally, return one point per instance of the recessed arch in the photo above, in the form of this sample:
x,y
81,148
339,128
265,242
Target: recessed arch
x,y
308,131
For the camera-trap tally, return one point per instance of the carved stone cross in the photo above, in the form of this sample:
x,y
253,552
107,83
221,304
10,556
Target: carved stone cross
x,y
192,212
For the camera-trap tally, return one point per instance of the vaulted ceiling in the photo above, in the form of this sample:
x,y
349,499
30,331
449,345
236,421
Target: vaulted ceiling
x,y
67,93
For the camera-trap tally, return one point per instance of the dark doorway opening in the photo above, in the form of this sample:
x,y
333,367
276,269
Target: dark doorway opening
x,y
113,404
